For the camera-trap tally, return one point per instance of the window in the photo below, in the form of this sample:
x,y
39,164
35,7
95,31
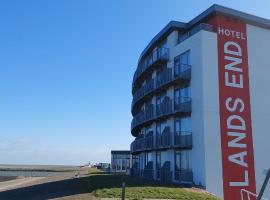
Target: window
x,y
182,126
181,95
159,101
159,130
181,63
185,160
182,162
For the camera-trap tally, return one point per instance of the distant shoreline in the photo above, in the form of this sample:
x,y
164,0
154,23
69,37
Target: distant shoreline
x,y
39,168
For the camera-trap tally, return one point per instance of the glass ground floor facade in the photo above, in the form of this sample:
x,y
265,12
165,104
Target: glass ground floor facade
x,y
167,166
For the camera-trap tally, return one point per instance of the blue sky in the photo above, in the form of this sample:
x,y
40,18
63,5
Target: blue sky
x,y
66,69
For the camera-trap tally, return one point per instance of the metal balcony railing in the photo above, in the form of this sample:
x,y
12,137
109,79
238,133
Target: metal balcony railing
x,y
164,77
138,145
182,71
149,112
157,56
182,104
167,75
183,139
164,108
164,140
144,90
149,141
142,143
184,175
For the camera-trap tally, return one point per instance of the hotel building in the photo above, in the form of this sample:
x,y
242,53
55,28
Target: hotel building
x,y
201,104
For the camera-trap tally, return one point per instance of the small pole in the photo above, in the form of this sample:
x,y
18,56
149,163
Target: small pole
x,y
123,190
264,185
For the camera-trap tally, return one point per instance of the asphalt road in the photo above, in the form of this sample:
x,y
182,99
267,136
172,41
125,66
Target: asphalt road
x,y
65,189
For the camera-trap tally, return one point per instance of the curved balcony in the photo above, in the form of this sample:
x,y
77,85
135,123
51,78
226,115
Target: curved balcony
x,y
142,143
167,77
165,140
157,57
163,110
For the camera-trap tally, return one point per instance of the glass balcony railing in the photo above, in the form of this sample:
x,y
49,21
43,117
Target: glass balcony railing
x,y
167,75
164,140
182,104
183,139
164,108
138,145
164,77
183,175
182,71
157,56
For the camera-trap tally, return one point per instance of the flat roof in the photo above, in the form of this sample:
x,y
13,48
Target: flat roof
x,y
214,9
120,152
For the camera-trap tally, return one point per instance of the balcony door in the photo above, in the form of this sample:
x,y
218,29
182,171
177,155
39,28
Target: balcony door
x,y
181,63
181,94
185,161
159,101
159,130
182,126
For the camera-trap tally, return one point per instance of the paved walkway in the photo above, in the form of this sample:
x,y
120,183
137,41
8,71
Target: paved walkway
x,y
64,187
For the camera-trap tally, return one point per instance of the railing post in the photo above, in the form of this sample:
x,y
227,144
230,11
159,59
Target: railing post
x,y
123,190
264,185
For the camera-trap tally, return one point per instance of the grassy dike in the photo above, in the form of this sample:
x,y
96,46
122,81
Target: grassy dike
x,y
104,185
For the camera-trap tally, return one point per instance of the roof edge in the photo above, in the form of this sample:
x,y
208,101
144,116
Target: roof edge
x,y
215,8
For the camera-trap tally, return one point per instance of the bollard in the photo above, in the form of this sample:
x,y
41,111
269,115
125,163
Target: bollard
x,y
123,190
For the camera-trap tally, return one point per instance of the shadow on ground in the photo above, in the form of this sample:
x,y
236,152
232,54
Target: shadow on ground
x,y
103,180
50,190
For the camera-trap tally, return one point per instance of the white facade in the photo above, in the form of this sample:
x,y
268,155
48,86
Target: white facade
x,y
259,70
204,159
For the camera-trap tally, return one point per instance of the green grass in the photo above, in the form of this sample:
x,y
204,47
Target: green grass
x,y
109,186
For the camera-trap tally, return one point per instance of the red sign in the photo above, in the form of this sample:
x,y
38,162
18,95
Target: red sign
x,y
235,115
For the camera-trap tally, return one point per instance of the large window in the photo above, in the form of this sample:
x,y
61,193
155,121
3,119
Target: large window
x,y
182,94
160,127
181,63
182,162
182,125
